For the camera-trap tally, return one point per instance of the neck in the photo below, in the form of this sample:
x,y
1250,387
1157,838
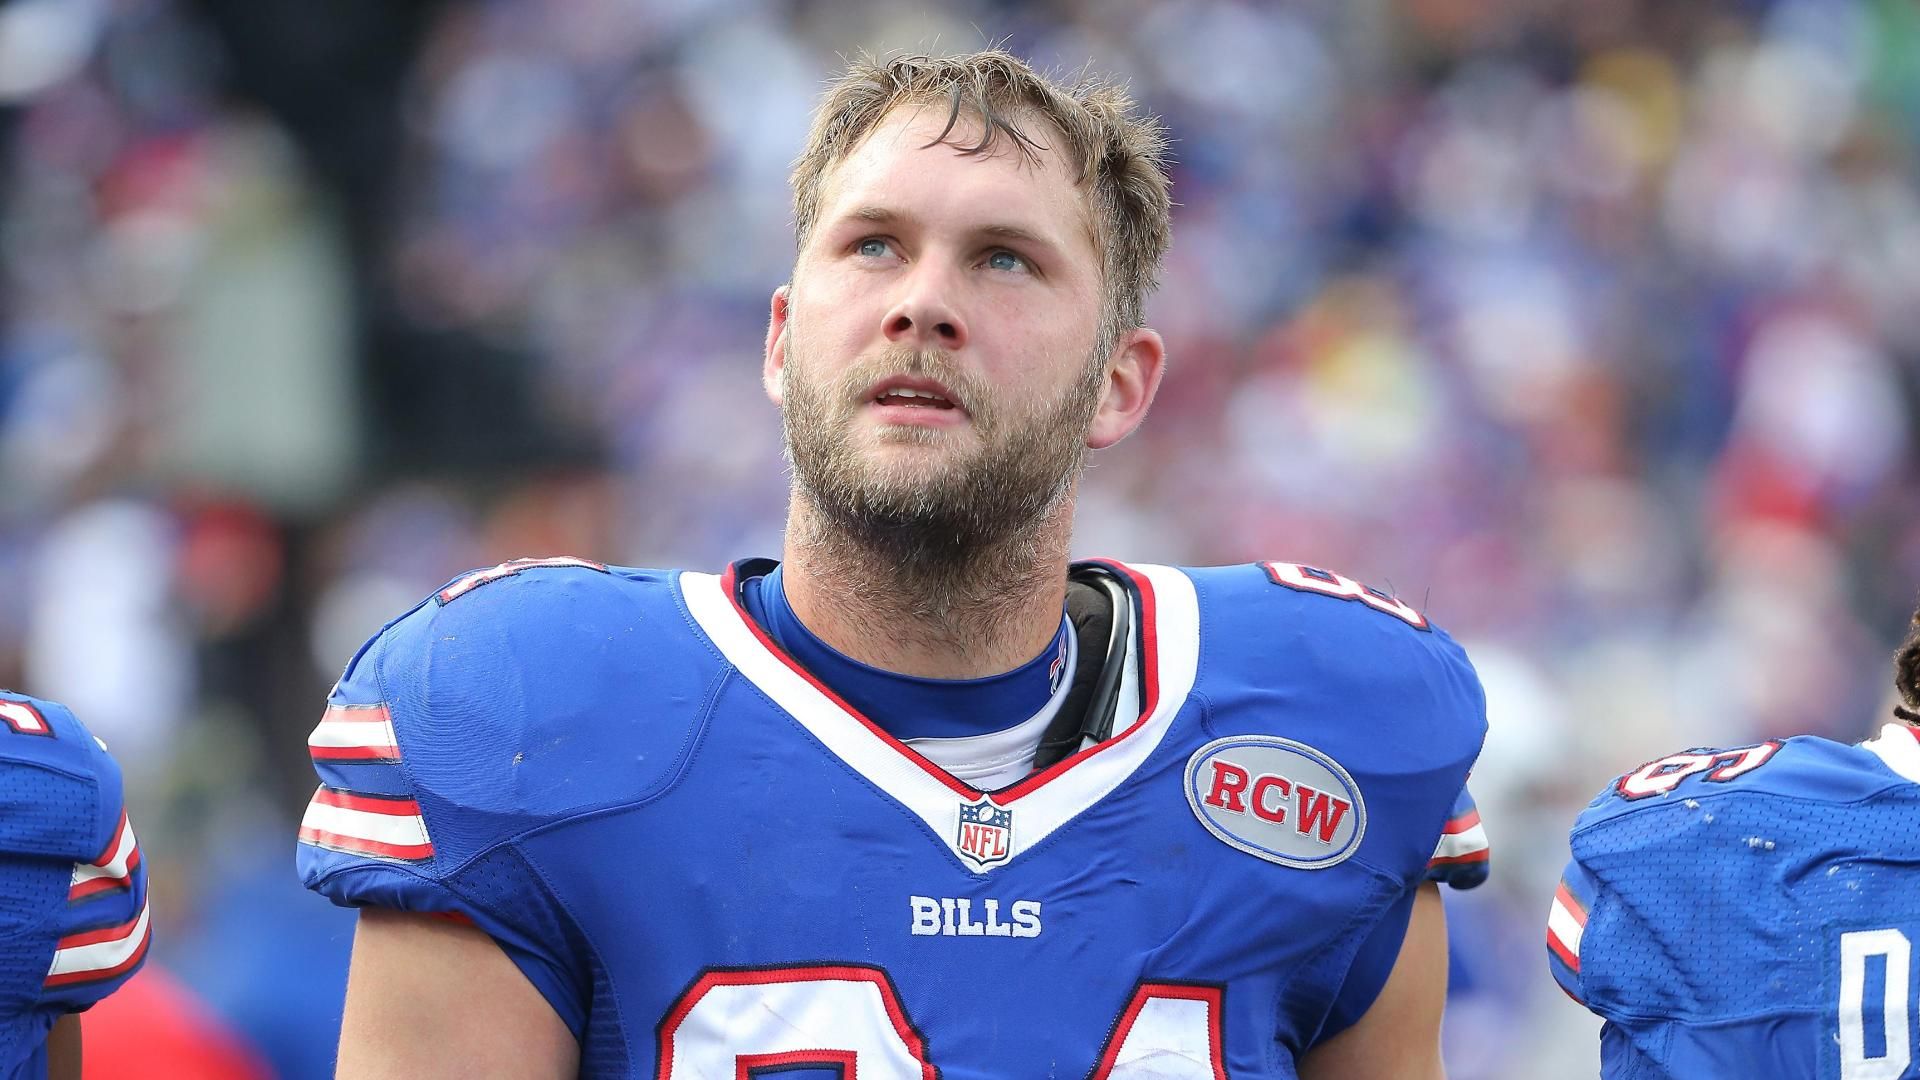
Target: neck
x,y
982,616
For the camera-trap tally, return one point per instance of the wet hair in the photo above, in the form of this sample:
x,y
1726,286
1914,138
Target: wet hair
x,y
1117,157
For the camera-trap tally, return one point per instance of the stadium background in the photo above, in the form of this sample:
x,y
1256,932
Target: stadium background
x,y
1591,328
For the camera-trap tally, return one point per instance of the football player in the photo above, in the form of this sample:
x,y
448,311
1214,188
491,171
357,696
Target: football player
x,y
73,891
924,798
1752,911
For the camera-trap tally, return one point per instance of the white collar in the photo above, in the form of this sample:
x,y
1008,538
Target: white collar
x,y
1167,642
1899,746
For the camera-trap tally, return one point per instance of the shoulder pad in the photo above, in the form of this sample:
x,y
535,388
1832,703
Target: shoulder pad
x,y
1805,767
555,688
59,789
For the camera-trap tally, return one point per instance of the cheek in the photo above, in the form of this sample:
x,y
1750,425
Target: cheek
x,y
828,317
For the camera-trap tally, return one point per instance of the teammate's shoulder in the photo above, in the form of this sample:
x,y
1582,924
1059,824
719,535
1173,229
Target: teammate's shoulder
x,y
1801,767
64,789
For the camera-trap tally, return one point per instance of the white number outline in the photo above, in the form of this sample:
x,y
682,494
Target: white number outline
x,y
1855,947
912,1044
1327,583
24,719
1214,998
1662,775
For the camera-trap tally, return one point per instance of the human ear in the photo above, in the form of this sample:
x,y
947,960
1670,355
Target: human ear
x,y
1134,369
773,364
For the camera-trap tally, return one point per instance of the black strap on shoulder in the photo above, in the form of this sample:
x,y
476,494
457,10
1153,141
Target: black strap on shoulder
x,y
1101,612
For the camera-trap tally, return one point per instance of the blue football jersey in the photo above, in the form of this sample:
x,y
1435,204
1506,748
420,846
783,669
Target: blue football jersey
x,y
73,891
710,865
1750,912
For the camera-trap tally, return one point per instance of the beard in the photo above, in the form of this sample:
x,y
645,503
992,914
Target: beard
x,y
939,518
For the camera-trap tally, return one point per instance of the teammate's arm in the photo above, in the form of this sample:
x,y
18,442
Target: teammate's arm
x,y
430,998
1398,1038
63,1048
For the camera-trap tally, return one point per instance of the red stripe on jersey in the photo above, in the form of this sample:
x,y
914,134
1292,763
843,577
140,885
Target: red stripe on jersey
x,y
379,744
747,1066
368,804
1462,823
1470,857
354,753
94,886
1566,956
102,974
356,714
116,932
113,842
354,845
1574,907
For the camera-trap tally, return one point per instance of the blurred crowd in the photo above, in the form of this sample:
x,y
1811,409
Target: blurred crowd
x,y
1590,328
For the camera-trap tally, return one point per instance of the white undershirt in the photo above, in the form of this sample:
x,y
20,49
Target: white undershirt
x,y
1000,759
1005,757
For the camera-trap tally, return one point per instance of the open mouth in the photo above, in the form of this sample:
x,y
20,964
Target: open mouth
x,y
912,399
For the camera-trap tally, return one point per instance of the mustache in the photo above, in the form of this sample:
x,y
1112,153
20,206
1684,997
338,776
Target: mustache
x,y
934,364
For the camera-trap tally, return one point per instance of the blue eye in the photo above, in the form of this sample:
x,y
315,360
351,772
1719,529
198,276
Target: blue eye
x,y
1006,260
872,247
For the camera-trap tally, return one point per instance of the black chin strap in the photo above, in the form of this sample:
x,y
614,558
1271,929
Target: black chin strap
x,y
1101,611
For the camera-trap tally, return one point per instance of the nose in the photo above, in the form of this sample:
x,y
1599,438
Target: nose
x,y
924,316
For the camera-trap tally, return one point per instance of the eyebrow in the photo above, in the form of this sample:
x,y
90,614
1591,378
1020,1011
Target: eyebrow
x,y
881,215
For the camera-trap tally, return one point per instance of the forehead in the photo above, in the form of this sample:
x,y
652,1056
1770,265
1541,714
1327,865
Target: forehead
x,y
899,167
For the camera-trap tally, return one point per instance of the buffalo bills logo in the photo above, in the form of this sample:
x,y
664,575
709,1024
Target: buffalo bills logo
x,y
986,832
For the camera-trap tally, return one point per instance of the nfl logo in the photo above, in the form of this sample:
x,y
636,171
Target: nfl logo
x,y
986,832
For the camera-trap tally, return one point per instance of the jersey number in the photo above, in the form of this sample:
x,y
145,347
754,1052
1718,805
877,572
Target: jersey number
x,y
24,718
1662,776
1304,578
846,1021
1886,1018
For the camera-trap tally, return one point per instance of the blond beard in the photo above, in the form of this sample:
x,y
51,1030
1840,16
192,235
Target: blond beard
x,y
965,523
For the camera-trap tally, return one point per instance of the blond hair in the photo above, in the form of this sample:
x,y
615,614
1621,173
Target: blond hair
x,y
1117,157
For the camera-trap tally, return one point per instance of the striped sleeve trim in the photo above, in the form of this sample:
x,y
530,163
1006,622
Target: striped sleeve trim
x,y
1566,925
1463,840
354,733
112,870
96,955
378,826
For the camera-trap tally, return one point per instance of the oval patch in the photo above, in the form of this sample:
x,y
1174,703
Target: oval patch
x,y
1277,799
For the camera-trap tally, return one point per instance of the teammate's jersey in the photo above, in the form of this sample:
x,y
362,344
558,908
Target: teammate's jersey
x,y
1750,912
73,892
710,866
